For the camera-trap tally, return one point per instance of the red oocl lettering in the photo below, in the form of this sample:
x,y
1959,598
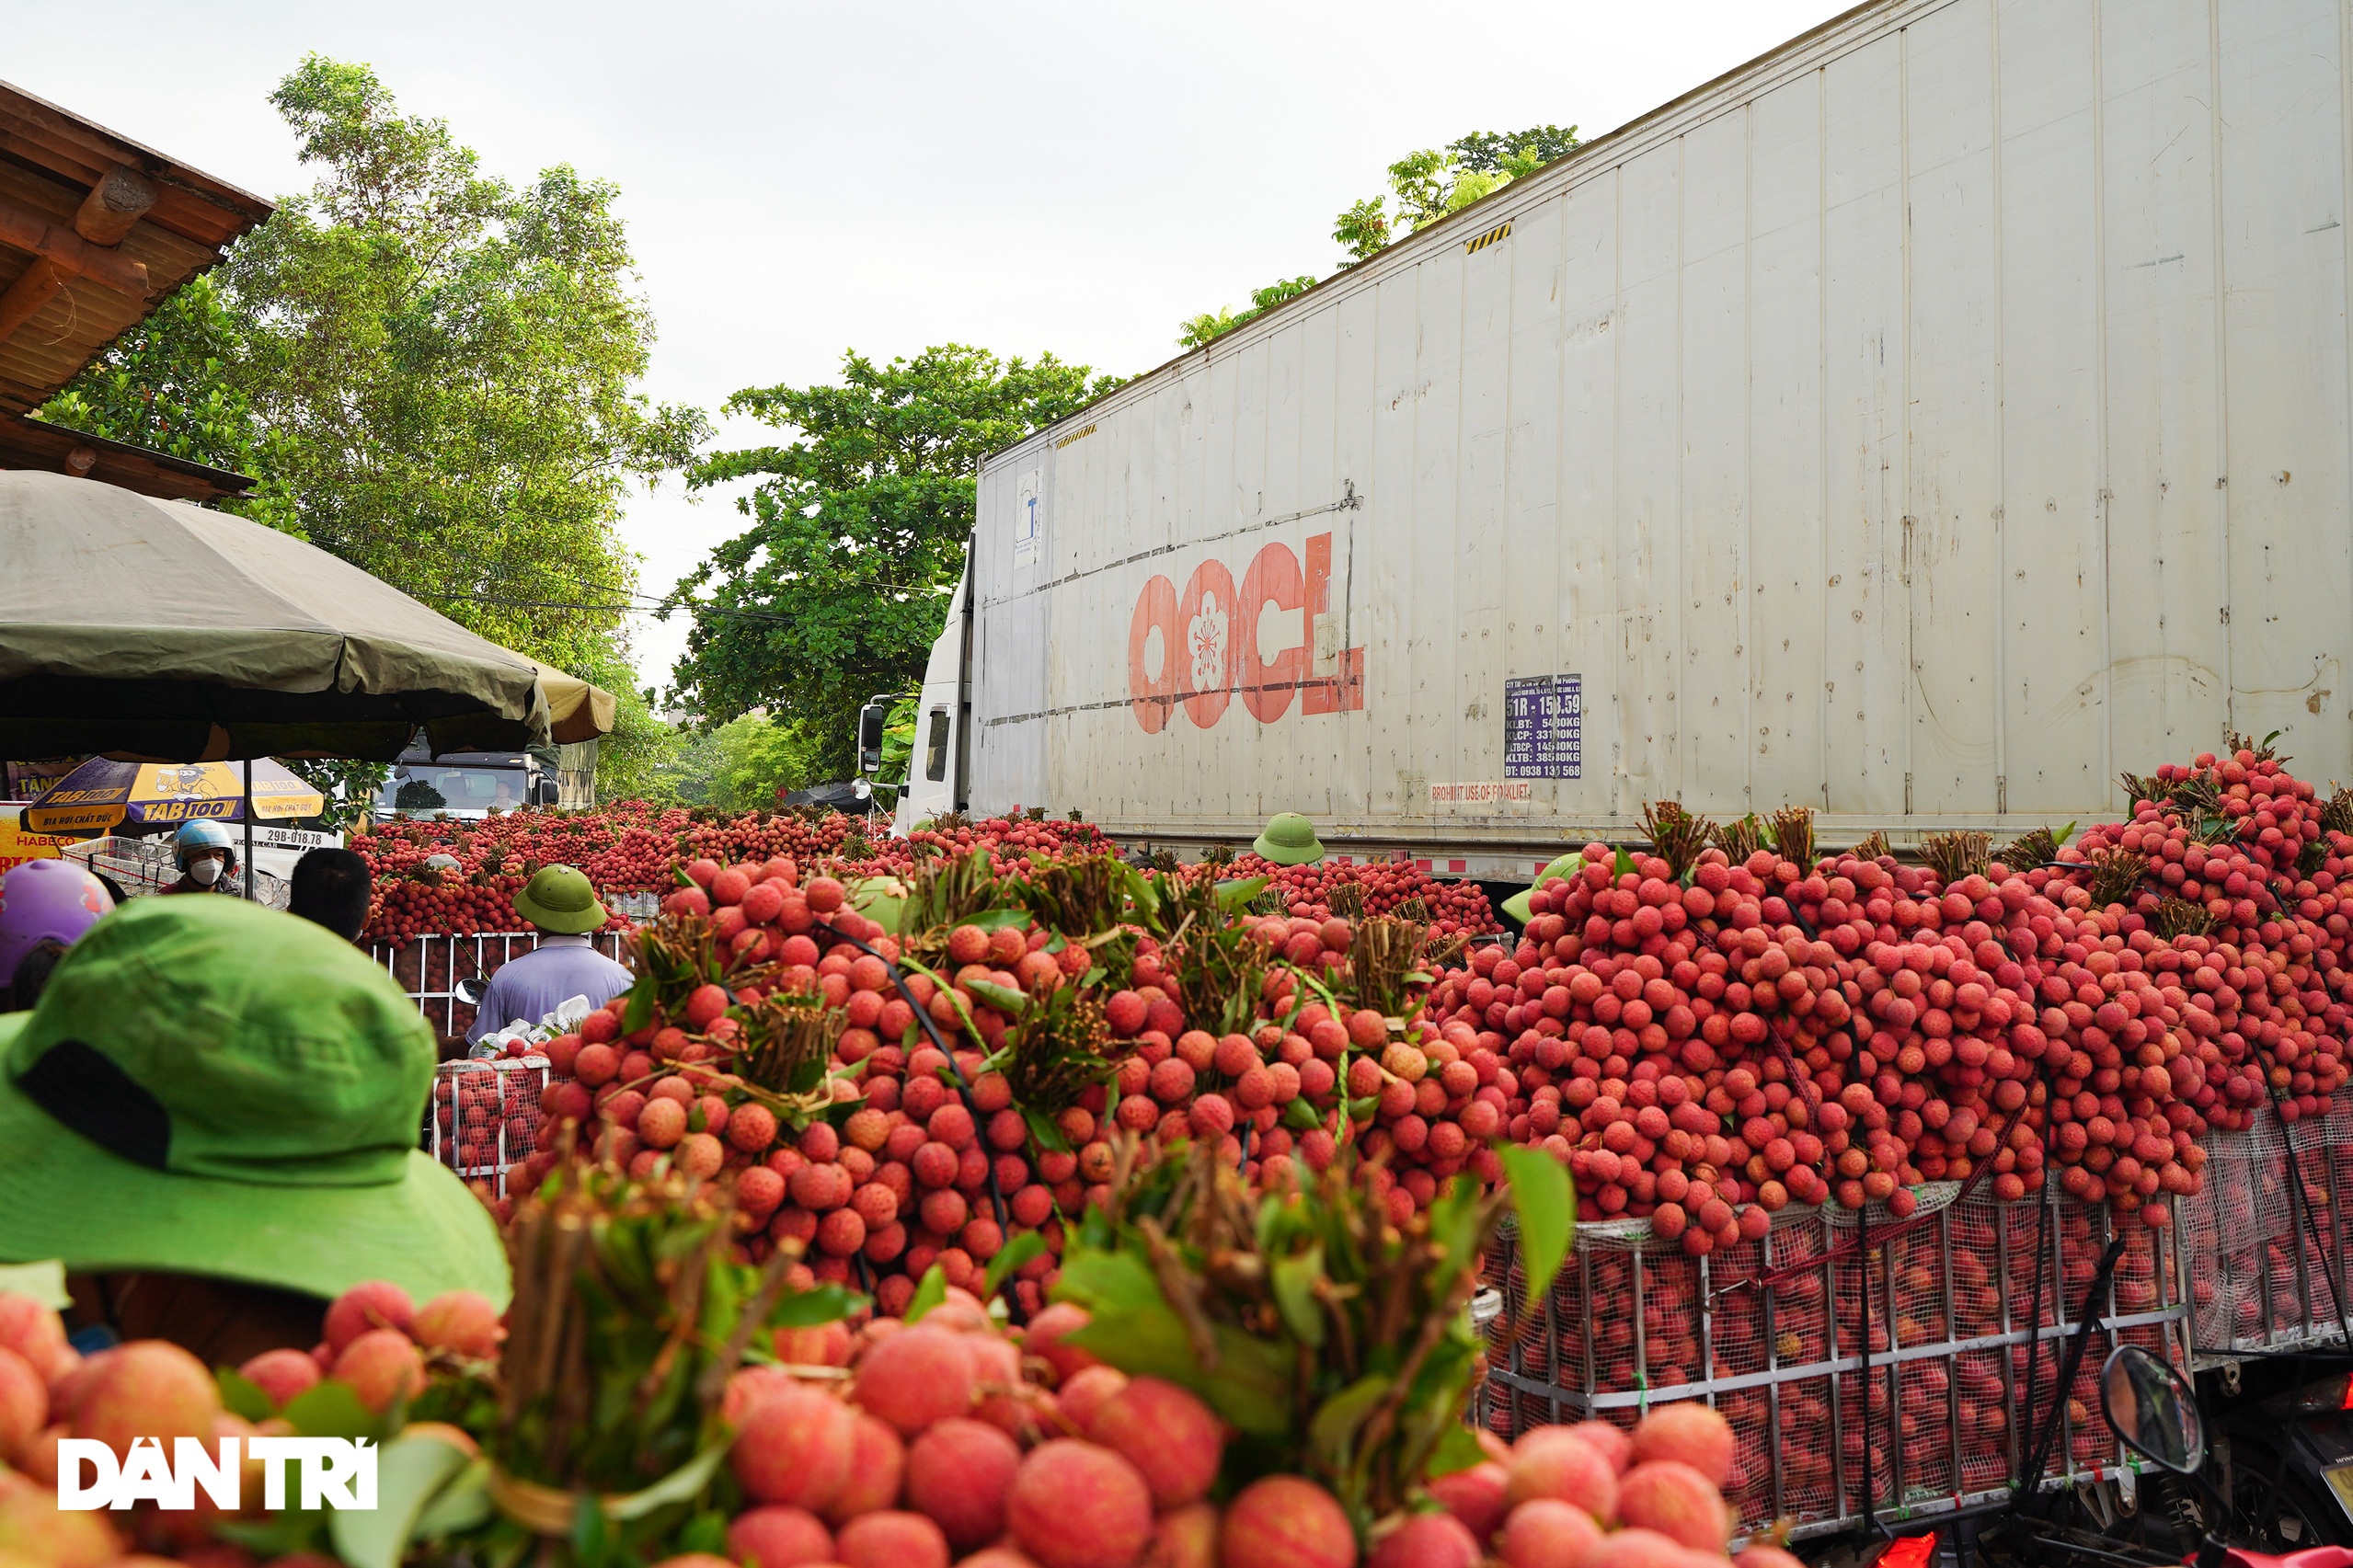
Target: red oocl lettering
x,y
1209,642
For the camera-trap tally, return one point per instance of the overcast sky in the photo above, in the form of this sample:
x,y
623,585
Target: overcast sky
x,y
801,179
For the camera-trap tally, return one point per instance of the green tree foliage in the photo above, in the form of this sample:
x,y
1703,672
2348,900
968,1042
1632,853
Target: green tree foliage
x,y
859,523
1431,184
1198,330
452,362
1425,186
742,766
169,383
433,373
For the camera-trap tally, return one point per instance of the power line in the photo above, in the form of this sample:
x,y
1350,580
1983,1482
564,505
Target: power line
x,y
699,609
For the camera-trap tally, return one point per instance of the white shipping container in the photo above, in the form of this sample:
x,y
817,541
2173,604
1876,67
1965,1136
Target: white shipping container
x,y
1923,423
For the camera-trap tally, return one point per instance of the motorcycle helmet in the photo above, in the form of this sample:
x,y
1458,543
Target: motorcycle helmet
x,y
45,900
202,835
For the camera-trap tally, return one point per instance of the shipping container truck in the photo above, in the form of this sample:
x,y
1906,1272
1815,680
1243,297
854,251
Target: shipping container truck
x,y
1923,423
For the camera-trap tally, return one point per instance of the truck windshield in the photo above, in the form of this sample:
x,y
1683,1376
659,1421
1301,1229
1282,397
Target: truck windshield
x,y
429,786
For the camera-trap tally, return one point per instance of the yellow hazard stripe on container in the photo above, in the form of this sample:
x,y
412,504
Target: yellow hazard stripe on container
x,y
1486,239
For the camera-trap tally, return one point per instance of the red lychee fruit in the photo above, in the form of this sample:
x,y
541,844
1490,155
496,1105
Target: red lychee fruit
x,y
281,1375
460,1322
1043,1339
1075,1505
1549,1462
1167,1433
960,1473
1547,1533
1426,1540
1677,1501
377,1304
892,1539
914,1378
877,1466
1475,1497
33,1331
1639,1549
1084,1394
24,1403
1615,1443
145,1389
382,1367
778,1537
793,1447
1285,1521
1687,1433
1184,1538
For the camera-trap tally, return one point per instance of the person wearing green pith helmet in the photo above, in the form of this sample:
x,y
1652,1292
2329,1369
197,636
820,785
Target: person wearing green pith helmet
x,y
560,902
1289,839
211,1120
1517,906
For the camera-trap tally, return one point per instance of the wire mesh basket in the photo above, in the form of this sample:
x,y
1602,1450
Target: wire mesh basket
x,y
2268,1236
1892,1376
483,1119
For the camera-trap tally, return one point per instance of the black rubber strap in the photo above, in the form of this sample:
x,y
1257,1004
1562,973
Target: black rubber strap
x,y
87,1090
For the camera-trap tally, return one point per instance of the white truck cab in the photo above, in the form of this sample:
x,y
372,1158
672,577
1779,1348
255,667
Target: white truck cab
x,y
936,772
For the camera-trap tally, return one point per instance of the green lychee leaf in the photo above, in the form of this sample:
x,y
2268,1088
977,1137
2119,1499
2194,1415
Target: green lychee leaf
x,y
827,1303
1458,1449
930,1291
1545,1207
239,1396
1043,1130
330,1408
1029,1244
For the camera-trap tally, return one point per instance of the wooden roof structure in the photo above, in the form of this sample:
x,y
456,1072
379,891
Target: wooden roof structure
x,y
94,231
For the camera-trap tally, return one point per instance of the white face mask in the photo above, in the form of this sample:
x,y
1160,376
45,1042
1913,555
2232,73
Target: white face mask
x,y
205,872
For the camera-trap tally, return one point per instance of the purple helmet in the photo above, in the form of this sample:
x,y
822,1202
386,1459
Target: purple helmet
x,y
45,900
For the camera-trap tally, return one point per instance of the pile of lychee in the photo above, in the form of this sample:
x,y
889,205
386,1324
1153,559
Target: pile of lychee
x,y
951,1443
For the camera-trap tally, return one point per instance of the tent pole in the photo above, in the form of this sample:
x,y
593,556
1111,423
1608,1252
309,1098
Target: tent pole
x,y
251,878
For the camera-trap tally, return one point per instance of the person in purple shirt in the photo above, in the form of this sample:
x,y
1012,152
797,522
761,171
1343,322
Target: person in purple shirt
x,y
560,904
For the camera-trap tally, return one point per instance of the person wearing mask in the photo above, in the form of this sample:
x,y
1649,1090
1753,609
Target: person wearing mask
x,y
207,858
211,1121
330,889
45,905
559,903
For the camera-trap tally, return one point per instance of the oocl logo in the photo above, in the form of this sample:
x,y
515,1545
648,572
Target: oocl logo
x,y
1199,649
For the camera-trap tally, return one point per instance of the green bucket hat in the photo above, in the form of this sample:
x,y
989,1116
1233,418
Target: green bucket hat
x,y
211,1088
1517,906
1289,839
561,899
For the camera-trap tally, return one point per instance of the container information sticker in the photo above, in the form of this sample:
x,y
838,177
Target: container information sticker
x,y
1543,720
1026,520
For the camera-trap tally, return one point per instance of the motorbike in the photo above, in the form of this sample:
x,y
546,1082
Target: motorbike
x,y
2154,1410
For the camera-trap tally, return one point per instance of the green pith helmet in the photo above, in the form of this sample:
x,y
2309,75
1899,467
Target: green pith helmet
x,y
1516,906
561,899
1289,839
209,1087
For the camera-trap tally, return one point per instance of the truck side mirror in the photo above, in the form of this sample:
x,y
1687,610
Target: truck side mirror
x,y
544,791
871,719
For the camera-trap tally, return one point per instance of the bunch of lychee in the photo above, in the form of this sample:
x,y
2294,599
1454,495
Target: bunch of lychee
x,y
376,1343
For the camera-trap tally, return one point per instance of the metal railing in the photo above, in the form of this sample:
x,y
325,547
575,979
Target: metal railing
x,y
429,968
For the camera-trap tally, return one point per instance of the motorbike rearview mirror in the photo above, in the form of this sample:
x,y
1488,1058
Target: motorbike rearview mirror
x,y
469,990
2154,1409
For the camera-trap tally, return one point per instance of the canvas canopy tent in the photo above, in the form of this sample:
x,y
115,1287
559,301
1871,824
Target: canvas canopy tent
x,y
102,795
158,631
577,711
